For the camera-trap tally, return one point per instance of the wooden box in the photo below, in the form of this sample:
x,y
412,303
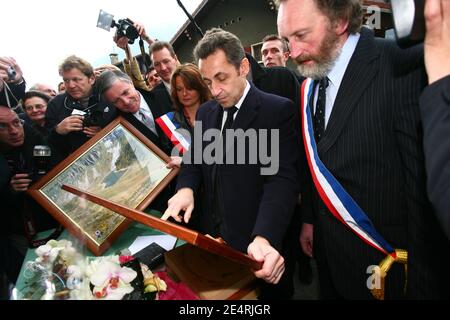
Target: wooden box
x,y
210,276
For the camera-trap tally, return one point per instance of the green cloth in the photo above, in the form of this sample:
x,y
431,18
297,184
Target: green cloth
x,y
121,243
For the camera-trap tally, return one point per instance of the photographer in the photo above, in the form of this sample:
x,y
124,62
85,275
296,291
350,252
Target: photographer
x,y
435,108
12,84
76,115
22,218
130,63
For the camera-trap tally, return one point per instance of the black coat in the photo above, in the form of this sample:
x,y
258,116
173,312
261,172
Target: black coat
x,y
253,204
18,90
61,107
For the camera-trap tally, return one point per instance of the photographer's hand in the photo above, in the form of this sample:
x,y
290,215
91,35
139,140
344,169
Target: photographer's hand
x,y
7,62
91,131
20,182
141,30
437,39
122,43
69,124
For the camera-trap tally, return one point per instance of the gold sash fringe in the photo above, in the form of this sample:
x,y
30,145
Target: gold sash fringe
x,y
384,266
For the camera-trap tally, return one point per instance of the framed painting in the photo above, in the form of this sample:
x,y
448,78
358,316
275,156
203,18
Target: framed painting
x,y
119,164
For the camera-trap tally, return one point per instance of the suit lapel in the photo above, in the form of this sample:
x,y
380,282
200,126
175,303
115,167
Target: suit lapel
x,y
360,70
247,111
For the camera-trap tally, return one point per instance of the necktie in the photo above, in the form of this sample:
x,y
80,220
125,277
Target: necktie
x,y
148,121
218,212
228,123
319,115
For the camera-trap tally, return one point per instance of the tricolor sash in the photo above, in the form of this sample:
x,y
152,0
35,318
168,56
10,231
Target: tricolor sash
x,y
335,197
169,126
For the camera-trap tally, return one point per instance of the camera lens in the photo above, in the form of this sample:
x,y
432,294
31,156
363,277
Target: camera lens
x,y
41,155
11,73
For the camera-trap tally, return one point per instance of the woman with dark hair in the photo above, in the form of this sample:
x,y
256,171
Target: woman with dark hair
x,y
188,92
34,103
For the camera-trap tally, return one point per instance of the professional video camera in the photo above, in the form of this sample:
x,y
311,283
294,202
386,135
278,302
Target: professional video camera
x,y
409,21
125,27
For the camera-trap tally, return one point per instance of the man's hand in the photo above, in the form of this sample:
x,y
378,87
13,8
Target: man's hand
x,y
20,182
182,200
306,239
175,162
121,42
69,124
91,131
437,39
141,30
5,64
273,263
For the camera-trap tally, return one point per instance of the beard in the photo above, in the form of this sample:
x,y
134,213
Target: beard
x,y
324,61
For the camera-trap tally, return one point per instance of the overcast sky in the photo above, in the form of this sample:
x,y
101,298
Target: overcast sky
x,y
40,34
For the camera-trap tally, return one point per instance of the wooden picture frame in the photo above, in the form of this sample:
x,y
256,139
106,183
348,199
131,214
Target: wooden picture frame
x,y
119,163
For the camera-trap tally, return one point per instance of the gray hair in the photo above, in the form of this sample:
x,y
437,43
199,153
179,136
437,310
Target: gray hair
x,y
107,79
218,39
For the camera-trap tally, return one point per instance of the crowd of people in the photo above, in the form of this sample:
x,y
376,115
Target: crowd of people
x,y
357,139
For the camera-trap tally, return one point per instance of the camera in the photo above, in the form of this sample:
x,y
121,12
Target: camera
x,y
93,118
36,167
11,73
125,27
41,160
409,21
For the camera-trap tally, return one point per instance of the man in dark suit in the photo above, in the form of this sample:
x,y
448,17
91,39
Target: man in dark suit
x,y
249,208
165,62
140,108
435,107
367,132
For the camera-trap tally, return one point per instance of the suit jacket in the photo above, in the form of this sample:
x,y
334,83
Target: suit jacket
x,y
164,98
435,108
158,107
253,204
277,80
373,147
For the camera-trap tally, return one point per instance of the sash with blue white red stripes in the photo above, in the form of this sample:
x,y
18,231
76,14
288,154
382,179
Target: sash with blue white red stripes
x,y
169,126
336,198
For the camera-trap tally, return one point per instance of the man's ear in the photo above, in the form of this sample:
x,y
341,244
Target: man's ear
x,y
92,80
244,68
340,26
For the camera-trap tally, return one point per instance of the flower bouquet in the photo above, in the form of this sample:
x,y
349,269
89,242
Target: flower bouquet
x,y
61,272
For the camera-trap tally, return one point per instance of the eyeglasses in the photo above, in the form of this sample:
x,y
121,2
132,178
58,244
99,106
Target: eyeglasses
x,y
17,123
36,106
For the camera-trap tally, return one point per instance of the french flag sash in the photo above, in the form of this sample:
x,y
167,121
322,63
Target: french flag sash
x,y
169,126
337,200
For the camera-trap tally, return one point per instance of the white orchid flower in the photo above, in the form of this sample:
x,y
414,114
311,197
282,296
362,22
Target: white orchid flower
x,y
112,281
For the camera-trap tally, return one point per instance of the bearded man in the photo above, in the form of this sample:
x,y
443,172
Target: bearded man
x,y
361,127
